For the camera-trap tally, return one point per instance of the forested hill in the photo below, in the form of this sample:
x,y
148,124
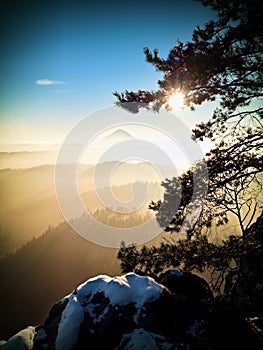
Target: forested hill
x,y
43,270
29,204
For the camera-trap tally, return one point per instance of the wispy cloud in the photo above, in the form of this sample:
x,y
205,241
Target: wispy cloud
x,y
49,82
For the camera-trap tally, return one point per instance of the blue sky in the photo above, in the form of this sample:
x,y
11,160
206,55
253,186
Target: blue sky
x,y
85,50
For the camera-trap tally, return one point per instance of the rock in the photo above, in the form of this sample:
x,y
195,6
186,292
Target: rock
x,y
134,312
124,312
186,285
140,339
23,340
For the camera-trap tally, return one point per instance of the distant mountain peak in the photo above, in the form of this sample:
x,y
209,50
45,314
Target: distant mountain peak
x,y
119,134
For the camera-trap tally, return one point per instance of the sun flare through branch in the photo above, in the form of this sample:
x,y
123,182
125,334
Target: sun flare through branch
x,y
176,100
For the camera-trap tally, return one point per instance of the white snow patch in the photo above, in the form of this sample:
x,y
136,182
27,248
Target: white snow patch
x,y
121,290
140,339
68,329
23,340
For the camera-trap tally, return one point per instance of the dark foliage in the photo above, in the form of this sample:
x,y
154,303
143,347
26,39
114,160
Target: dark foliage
x,y
223,62
198,254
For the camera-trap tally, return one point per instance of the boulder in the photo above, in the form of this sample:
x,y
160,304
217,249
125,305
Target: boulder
x,y
123,312
135,312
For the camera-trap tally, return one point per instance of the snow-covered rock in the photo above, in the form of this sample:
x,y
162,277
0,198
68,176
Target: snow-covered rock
x,y
23,340
135,312
123,312
141,339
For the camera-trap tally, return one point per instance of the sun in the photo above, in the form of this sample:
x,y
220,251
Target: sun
x,y
176,101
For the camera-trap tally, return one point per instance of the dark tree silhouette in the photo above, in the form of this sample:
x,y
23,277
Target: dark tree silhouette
x,y
223,60
223,63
